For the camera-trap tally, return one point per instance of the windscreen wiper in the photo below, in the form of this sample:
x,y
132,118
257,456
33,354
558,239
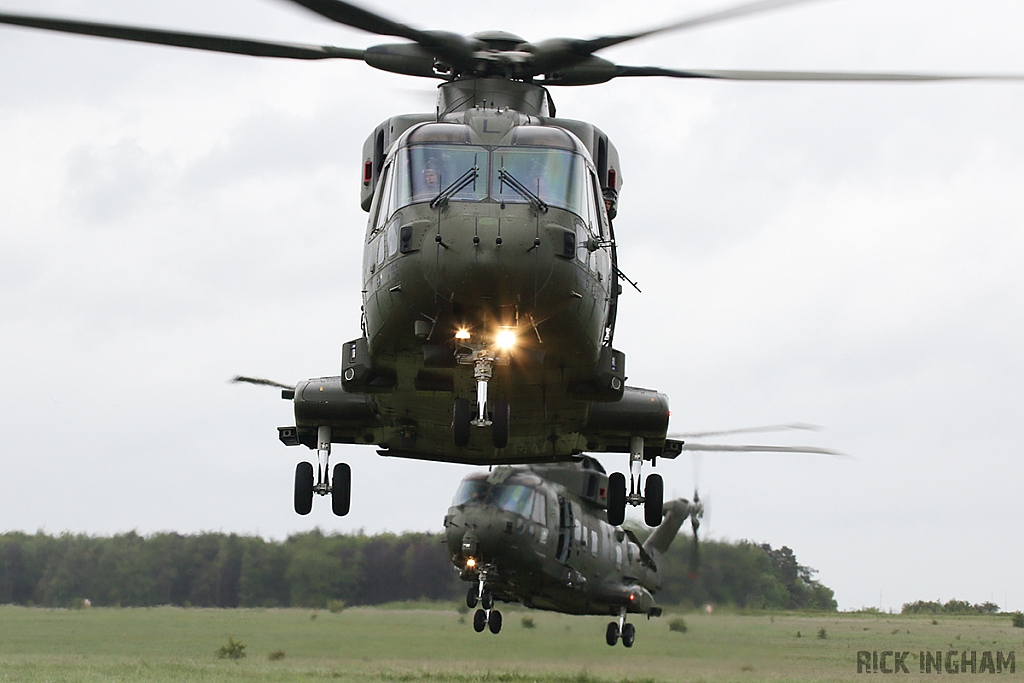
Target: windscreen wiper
x,y
505,177
460,184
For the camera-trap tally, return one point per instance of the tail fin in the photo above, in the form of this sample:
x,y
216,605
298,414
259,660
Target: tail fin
x,y
661,538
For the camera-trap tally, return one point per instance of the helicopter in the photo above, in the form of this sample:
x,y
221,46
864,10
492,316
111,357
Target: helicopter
x,y
539,535
490,271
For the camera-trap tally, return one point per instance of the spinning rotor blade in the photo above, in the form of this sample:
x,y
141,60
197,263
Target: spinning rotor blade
x,y
814,76
240,379
760,449
594,44
450,47
747,430
197,41
695,517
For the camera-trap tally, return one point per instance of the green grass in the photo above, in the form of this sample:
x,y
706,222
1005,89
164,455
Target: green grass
x,y
430,644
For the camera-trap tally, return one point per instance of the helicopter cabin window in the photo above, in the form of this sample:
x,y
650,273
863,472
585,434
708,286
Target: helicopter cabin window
x,y
384,200
593,543
471,491
555,176
540,508
618,556
426,172
514,498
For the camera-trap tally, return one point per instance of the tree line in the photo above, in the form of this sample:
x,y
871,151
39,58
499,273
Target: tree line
x,y
313,570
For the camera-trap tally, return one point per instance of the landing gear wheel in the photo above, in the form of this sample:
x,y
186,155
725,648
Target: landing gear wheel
x,y
471,598
480,621
616,498
494,621
487,599
461,415
341,489
628,635
654,494
303,488
611,634
499,423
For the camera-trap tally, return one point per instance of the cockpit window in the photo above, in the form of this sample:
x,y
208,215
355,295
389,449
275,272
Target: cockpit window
x,y
557,177
471,491
515,498
425,171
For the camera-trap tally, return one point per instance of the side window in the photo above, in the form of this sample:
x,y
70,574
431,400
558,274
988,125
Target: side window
x,y
392,235
540,509
593,543
601,227
384,201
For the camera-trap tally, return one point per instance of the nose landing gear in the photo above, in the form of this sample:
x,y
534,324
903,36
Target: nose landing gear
x,y
487,617
462,413
340,492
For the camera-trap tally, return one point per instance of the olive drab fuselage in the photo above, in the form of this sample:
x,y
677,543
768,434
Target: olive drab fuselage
x,y
539,535
484,221
490,286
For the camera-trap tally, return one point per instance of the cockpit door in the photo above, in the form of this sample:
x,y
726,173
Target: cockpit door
x,y
565,528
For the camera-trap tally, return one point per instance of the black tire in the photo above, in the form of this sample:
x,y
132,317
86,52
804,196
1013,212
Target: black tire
x,y
471,598
303,488
654,494
611,634
461,415
616,498
487,599
628,635
494,621
341,489
480,621
499,423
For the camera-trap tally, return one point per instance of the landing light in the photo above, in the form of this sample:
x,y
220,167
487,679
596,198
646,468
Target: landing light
x,y
505,339
470,563
463,333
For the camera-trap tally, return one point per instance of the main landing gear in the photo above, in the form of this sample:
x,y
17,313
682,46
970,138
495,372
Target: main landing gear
x,y
620,629
487,617
462,413
654,490
339,486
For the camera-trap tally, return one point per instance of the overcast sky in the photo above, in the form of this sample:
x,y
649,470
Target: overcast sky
x,y
846,255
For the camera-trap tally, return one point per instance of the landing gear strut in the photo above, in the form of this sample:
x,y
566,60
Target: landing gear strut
x,y
487,617
462,413
340,492
620,629
654,490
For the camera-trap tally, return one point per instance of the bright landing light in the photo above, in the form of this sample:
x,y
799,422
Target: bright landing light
x,y
462,333
505,339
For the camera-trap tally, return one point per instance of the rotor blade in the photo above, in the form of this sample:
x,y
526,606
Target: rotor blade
x,y
760,449
819,76
748,430
593,45
450,47
240,379
197,41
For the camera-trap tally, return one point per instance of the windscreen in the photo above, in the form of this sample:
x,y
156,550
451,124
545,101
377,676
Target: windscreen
x,y
427,170
556,176
514,498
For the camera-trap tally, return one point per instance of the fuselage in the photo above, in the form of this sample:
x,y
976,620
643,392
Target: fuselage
x,y
543,544
488,241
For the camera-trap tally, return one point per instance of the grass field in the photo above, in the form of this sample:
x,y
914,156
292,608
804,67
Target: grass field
x,y
430,644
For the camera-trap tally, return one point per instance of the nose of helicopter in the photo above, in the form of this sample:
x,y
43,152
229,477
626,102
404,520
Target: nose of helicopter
x,y
477,534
